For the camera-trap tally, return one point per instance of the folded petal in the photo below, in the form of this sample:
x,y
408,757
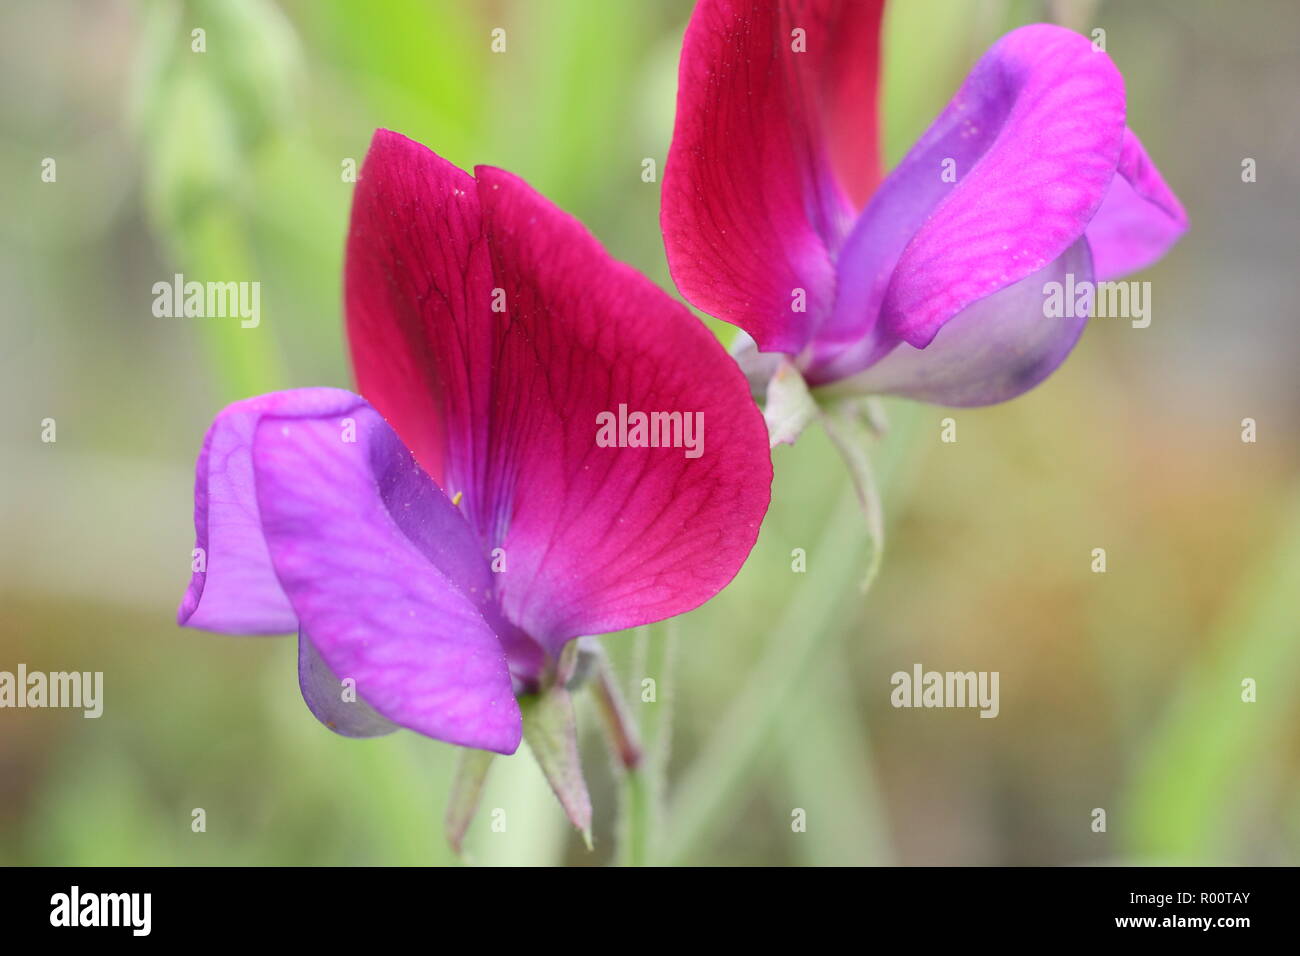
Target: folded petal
x,y
234,589
1139,219
773,152
1033,140
333,703
383,572
525,331
991,351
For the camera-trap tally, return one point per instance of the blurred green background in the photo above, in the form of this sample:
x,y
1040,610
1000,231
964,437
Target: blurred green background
x,y
1118,690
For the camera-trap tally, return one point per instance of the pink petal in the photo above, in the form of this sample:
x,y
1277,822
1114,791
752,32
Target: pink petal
x,y
1036,131
1033,138
773,153
1041,158
1139,219
416,281
593,539
607,538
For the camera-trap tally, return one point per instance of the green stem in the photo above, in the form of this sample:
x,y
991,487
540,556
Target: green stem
x,y
642,784
825,750
717,772
801,633
619,726
637,819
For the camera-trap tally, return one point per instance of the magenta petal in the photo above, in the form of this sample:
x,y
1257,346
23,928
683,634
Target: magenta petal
x,y
1057,108
585,539
325,697
237,591
1139,219
604,538
773,152
991,351
417,283
1034,135
364,558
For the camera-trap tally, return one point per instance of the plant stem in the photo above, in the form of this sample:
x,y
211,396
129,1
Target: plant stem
x,y
636,822
642,784
619,726
800,634
718,770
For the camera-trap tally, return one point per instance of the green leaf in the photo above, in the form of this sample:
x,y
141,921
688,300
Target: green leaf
x,y
466,792
852,426
551,732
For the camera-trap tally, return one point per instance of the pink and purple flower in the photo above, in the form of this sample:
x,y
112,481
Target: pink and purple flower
x,y
927,283
438,542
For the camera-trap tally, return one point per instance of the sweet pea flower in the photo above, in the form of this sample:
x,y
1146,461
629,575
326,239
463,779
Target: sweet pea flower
x,y
438,541
931,282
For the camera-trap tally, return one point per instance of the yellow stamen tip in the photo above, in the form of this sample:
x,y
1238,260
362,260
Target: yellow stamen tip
x,y
455,499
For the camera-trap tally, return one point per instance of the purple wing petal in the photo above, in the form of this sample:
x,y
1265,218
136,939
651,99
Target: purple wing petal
x,y
367,551
991,351
1139,219
323,693
1033,139
236,592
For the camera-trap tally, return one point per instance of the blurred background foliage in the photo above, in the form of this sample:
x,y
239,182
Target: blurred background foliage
x,y
1119,691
